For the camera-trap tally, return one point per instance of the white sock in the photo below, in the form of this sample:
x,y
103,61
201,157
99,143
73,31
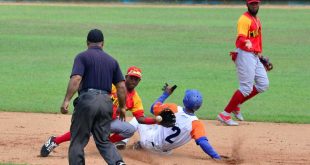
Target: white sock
x,y
126,140
225,113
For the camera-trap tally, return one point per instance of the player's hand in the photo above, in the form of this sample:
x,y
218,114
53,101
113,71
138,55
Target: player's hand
x,y
169,89
217,159
64,109
122,114
248,44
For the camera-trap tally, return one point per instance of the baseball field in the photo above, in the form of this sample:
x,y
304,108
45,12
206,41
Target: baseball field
x,y
183,45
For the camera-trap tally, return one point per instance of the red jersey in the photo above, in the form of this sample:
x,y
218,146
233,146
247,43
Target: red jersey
x,y
250,28
133,103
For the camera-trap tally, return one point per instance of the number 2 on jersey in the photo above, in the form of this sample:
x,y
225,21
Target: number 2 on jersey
x,y
176,131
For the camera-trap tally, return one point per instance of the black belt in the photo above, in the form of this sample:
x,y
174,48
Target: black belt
x,y
98,91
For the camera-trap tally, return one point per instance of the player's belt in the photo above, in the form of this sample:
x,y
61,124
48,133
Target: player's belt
x,y
97,91
255,53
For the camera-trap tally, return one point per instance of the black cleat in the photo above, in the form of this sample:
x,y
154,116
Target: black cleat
x,y
120,145
48,147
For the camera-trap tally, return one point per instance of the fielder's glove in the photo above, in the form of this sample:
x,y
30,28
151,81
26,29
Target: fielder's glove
x,y
233,55
168,118
267,64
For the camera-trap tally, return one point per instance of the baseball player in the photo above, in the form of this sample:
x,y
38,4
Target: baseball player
x,y
251,72
163,140
121,129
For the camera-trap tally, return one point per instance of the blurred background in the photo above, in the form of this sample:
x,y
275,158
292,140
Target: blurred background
x,y
210,2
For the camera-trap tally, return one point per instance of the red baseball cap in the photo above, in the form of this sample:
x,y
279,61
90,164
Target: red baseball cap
x,y
134,71
251,1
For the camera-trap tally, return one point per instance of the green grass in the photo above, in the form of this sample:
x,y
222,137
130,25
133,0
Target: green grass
x,y
184,46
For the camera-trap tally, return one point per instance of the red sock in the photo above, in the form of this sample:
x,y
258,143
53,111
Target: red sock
x,y
252,94
116,138
63,138
235,100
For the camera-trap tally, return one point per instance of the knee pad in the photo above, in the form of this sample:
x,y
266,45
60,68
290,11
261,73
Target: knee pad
x,y
129,132
245,90
262,86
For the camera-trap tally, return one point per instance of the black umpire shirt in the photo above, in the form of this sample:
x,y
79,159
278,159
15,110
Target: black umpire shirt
x,y
98,69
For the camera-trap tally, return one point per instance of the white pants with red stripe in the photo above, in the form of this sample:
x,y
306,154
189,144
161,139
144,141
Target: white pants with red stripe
x,y
250,72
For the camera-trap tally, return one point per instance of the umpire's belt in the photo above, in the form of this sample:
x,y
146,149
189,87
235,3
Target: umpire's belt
x,y
97,91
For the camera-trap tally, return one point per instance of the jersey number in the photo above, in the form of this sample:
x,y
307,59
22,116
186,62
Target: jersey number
x,y
177,131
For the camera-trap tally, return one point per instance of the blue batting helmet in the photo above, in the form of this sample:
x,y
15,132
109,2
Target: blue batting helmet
x,y
192,99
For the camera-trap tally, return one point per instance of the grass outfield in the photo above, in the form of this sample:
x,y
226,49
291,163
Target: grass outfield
x,y
185,46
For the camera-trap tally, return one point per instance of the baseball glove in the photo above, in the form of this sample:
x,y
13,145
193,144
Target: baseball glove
x,y
267,64
233,55
168,118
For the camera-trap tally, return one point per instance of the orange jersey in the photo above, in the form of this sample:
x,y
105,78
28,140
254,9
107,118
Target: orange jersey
x,y
158,107
133,103
249,28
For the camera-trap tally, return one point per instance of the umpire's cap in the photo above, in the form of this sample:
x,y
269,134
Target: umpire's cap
x,y
94,36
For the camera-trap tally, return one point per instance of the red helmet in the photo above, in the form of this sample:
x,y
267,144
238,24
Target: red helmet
x,y
134,71
251,1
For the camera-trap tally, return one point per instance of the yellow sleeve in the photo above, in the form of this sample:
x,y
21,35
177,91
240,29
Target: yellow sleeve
x,y
137,103
243,27
114,96
113,91
137,107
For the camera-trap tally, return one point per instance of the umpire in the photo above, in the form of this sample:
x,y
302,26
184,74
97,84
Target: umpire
x,y
92,76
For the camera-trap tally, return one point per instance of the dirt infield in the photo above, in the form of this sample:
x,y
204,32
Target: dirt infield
x,y
23,134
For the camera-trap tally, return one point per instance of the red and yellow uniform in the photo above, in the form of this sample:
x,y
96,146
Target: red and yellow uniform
x,y
249,28
133,103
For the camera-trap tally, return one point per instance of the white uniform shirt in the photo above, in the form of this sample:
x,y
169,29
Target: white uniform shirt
x,y
170,138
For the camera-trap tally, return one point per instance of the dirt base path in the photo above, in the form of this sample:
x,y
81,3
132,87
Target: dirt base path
x,y
23,134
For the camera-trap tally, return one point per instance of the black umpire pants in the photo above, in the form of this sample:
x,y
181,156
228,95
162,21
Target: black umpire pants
x,y
92,114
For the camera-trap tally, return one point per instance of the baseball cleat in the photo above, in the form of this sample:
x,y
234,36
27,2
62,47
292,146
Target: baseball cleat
x,y
120,145
238,115
226,120
120,162
48,147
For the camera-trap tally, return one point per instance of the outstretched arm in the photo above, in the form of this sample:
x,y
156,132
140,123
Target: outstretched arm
x,y
161,99
168,90
207,148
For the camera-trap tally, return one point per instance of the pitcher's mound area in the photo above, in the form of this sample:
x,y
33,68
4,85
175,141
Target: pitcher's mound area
x,y
23,134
